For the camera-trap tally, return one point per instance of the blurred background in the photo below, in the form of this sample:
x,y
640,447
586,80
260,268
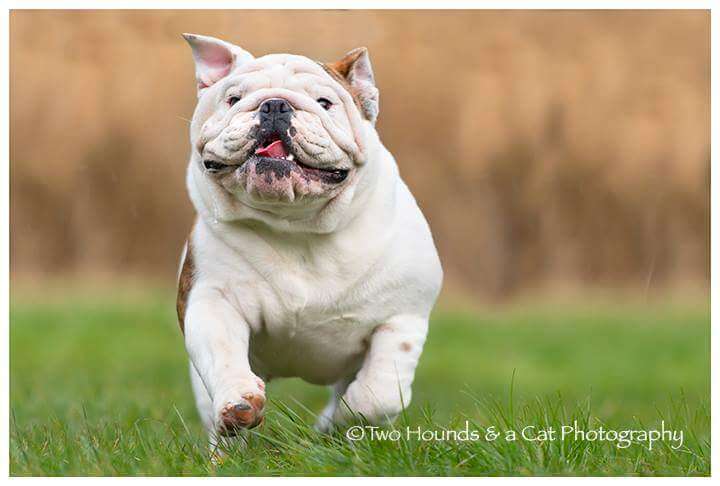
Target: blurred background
x,y
547,149
562,159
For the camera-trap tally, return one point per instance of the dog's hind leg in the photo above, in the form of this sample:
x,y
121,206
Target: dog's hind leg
x,y
324,421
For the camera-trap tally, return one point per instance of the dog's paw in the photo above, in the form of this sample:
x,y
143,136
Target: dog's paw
x,y
377,405
244,412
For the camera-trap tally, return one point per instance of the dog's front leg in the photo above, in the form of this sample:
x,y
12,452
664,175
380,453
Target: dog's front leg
x,y
382,386
217,340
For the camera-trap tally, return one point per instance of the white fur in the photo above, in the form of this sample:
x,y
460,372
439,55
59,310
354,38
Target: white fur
x,y
337,293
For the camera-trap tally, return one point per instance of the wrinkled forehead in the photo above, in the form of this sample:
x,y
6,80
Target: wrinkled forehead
x,y
286,71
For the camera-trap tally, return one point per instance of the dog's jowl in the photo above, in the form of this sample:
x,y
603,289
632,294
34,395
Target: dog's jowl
x,y
309,257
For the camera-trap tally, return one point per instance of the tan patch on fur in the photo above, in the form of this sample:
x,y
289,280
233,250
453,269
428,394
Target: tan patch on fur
x,y
405,346
343,65
185,284
383,328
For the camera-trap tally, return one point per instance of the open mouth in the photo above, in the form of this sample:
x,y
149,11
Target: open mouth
x,y
274,148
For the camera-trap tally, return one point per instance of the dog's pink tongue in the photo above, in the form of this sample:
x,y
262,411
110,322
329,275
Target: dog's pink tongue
x,y
275,150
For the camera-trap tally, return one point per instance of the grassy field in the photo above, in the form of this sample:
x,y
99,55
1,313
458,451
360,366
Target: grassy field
x,y
99,387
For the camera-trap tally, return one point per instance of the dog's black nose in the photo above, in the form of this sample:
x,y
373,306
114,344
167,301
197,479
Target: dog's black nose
x,y
275,105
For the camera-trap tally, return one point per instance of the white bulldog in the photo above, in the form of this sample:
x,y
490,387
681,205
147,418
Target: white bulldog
x,y
309,256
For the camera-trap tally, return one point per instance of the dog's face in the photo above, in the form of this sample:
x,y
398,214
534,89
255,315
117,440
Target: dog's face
x,y
280,130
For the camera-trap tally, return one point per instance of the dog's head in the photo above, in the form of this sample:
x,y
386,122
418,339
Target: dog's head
x,y
280,134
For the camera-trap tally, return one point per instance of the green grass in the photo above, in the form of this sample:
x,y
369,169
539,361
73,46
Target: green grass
x,y
99,387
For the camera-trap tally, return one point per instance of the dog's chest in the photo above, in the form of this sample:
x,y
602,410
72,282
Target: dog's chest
x,y
315,320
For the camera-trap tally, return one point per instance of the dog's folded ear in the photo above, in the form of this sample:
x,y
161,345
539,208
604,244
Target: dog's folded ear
x,y
214,59
356,69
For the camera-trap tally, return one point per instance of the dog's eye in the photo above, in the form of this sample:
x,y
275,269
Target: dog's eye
x,y
325,103
232,100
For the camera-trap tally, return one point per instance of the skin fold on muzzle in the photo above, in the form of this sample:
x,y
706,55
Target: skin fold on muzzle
x,y
288,155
